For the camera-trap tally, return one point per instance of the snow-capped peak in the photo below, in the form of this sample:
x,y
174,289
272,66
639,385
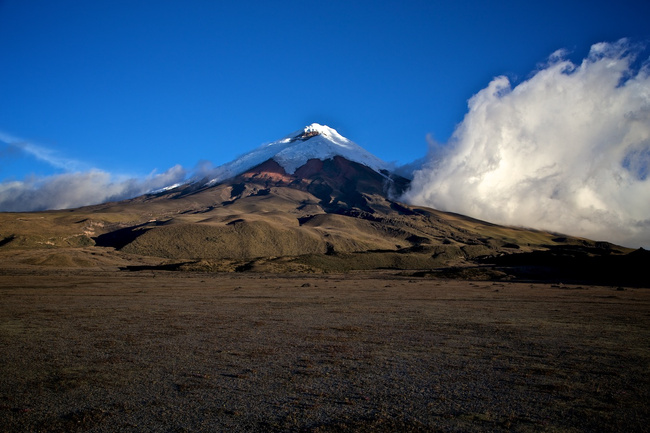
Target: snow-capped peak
x,y
311,131
317,129
293,151
322,129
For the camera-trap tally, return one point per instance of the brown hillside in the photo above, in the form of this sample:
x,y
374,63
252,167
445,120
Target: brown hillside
x,y
332,215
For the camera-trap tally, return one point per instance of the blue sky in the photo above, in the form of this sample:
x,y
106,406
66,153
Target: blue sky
x,y
134,88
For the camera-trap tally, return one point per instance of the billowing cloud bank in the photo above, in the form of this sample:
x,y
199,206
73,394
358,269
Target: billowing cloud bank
x,y
71,190
568,150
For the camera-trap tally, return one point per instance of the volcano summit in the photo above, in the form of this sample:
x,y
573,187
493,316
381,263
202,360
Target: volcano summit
x,y
293,151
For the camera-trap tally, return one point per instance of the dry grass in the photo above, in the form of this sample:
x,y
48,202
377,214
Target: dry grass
x,y
216,223
86,350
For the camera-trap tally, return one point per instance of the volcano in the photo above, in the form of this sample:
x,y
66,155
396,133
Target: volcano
x,y
312,201
317,160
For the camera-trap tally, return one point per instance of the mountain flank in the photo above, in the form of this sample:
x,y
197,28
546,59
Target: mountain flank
x,y
310,202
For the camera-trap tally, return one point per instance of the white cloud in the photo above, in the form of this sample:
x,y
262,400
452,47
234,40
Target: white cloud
x,y
71,190
78,186
567,150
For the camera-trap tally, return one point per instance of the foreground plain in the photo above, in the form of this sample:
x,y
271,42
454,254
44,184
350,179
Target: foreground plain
x,y
104,351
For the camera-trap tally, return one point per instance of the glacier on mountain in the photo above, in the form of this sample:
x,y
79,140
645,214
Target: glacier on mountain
x,y
293,151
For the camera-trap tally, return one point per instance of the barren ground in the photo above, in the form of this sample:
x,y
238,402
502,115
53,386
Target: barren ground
x,y
100,351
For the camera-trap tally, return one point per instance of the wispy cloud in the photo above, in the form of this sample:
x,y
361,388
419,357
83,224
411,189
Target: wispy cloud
x,y
42,153
566,150
79,185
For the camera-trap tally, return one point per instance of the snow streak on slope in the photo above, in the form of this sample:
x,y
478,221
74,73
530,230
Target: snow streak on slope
x,y
293,151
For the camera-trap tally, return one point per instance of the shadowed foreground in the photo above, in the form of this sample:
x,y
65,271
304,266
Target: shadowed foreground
x,y
144,351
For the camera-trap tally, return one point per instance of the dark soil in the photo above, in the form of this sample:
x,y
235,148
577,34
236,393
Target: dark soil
x,y
144,351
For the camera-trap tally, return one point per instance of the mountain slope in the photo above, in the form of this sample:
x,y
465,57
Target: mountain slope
x,y
333,211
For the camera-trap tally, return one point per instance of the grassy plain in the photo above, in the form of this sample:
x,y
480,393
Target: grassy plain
x,y
108,350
